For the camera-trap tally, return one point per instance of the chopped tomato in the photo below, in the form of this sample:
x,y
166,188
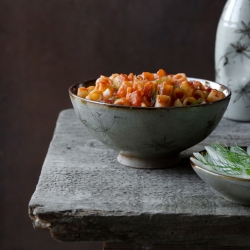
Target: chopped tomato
x,y
135,98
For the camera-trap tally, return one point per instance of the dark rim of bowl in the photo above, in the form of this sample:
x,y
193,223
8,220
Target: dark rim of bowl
x,y
76,85
217,173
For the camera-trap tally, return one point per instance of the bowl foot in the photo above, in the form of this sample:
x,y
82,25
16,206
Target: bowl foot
x,y
149,163
242,202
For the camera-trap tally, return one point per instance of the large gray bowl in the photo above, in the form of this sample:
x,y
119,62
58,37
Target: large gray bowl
x,y
149,137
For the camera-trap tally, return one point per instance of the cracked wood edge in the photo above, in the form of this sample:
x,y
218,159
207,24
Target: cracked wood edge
x,y
170,229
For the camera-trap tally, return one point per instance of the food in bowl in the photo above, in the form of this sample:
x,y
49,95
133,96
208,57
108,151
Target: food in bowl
x,y
149,136
150,90
231,161
226,170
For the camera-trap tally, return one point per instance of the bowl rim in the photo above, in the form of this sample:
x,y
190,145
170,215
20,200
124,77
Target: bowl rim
x,y
236,178
151,108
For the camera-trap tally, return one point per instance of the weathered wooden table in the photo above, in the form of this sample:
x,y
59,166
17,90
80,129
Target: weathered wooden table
x,y
84,194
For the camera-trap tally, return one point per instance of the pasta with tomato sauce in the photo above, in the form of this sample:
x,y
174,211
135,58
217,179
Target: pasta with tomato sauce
x,y
150,90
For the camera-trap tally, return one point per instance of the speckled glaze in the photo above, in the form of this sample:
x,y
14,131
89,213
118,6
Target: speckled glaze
x,y
232,57
233,189
149,137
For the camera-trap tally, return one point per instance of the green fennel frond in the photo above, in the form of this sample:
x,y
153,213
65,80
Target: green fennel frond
x,y
229,160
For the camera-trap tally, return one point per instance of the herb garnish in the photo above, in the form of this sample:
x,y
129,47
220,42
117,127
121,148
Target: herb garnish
x,y
163,79
227,160
198,101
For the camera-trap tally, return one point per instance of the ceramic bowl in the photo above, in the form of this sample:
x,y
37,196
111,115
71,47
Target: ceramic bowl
x,y
233,189
148,137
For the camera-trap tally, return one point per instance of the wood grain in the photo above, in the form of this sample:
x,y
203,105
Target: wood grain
x,y
84,194
138,246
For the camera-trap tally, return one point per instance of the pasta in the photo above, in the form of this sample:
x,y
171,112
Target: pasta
x,y
150,90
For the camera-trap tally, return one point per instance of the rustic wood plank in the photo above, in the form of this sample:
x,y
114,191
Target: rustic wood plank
x,y
83,193
138,246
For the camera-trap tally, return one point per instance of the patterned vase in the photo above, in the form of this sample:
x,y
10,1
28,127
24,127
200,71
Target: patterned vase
x,y
232,57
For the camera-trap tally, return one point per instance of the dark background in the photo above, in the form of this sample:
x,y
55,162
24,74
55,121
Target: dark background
x,y
46,46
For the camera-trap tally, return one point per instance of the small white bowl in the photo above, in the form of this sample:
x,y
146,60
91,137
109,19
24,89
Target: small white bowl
x,y
233,189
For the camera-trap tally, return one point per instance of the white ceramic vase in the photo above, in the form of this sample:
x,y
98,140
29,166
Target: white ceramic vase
x,y
232,57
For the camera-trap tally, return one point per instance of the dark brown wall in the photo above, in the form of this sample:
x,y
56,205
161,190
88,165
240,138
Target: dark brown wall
x,y
46,46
